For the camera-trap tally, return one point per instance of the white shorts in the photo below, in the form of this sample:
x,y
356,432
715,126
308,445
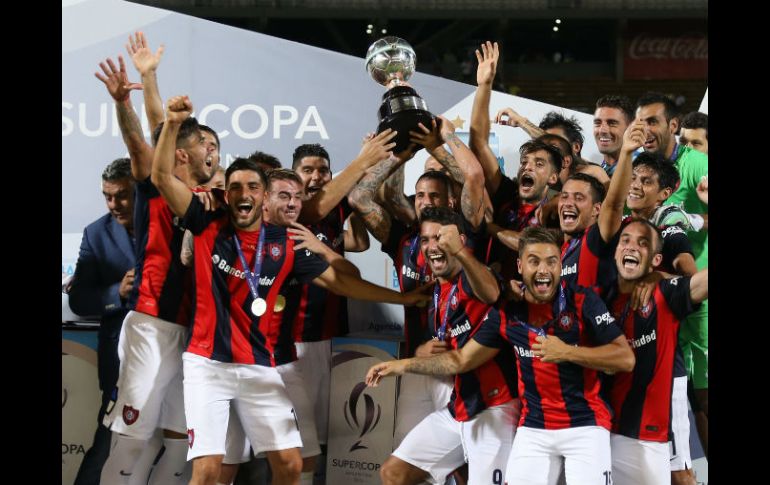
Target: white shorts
x,y
639,462
257,394
419,396
679,448
315,365
149,388
439,444
237,446
303,406
536,456
292,375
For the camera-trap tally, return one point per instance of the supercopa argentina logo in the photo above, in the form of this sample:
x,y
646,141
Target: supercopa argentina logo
x,y
371,414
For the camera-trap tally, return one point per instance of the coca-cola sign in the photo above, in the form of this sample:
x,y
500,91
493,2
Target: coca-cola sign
x,y
665,51
687,46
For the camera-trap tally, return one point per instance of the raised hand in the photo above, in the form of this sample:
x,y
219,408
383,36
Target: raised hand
x,y
139,50
377,148
178,109
487,58
449,239
512,118
429,138
116,79
634,136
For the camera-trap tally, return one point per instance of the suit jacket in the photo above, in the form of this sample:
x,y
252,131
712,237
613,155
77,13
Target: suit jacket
x,y
106,253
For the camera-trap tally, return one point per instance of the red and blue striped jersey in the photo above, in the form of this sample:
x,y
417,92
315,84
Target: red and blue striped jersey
x,y
509,213
224,328
491,384
564,395
161,278
589,261
321,314
403,247
641,399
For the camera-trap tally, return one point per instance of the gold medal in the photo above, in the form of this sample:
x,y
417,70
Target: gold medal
x,y
280,303
258,307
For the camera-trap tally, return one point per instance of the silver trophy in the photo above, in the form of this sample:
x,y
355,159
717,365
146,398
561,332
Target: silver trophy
x,y
391,62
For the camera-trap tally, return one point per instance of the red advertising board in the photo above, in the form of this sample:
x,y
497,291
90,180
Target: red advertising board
x,y
669,50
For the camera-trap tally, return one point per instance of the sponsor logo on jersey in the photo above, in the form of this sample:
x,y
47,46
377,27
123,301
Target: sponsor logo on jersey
x,y
643,340
130,415
672,230
462,328
604,318
522,352
674,281
413,275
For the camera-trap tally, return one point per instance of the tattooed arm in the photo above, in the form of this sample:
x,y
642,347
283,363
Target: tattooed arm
x,y
395,200
462,166
468,357
472,197
361,198
117,84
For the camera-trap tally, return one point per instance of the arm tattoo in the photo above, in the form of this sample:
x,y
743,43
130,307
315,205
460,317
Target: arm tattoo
x,y
376,219
437,365
394,193
130,127
452,138
533,130
469,206
449,162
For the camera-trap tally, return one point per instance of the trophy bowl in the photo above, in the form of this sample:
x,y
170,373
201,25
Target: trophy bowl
x,y
391,61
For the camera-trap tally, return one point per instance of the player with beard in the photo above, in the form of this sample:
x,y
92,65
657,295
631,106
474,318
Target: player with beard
x,y
514,201
612,116
479,422
590,222
282,206
418,395
241,266
561,336
653,181
644,411
321,314
661,123
148,394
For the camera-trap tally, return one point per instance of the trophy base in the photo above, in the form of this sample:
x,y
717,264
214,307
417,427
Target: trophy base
x,y
403,122
401,110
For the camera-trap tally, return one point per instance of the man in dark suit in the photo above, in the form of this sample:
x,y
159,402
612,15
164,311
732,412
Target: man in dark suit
x,y
103,279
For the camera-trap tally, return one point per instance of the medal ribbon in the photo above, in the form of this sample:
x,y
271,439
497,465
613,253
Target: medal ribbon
x,y
441,332
252,277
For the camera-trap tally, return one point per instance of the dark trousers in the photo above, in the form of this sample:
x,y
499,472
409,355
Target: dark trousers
x,y
108,367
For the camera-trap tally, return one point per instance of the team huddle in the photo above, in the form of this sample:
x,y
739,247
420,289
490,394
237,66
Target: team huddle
x,y
552,319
